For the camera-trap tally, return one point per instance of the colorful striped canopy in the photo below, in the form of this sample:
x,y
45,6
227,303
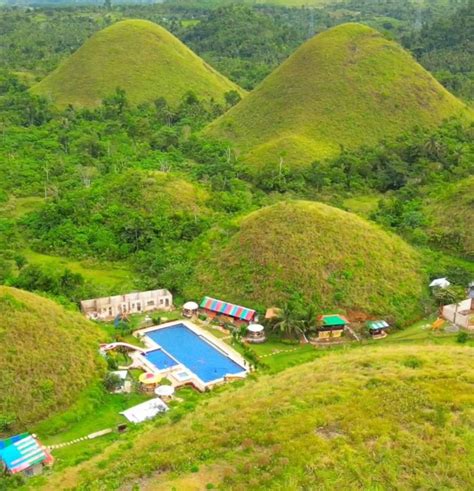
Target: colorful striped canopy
x,y
226,308
23,453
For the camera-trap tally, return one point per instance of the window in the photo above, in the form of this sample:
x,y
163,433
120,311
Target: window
x,y
150,303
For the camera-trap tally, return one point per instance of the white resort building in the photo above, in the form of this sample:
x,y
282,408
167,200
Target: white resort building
x,y
106,308
460,314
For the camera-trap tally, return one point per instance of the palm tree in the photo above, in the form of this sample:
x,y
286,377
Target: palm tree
x,y
309,321
287,323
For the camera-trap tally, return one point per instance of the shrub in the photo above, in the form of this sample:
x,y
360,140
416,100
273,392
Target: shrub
x,y
412,362
112,382
462,337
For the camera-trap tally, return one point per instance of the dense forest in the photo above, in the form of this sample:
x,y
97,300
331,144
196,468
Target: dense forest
x,y
82,184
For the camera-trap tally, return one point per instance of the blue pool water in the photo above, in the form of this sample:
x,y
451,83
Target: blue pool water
x,y
160,359
196,354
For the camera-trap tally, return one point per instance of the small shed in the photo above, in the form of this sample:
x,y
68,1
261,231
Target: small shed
x,y
125,381
24,454
332,326
255,333
377,329
190,309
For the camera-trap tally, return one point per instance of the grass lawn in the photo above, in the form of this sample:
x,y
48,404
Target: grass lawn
x,y
362,205
422,333
110,277
215,332
105,415
17,207
393,417
90,415
93,411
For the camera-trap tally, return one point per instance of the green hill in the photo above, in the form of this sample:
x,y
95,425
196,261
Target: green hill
x,y
332,258
47,356
373,418
451,213
138,56
347,86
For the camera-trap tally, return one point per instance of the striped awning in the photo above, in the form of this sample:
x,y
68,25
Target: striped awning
x,y
228,309
22,454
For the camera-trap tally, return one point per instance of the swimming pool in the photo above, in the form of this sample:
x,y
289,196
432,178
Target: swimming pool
x,y
160,359
194,353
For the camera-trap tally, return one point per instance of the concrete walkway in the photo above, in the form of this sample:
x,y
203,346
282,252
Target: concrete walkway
x,y
277,352
97,434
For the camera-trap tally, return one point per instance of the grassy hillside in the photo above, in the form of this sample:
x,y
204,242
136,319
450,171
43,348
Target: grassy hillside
x,y
379,418
138,56
451,213
330,257
347,86
47,356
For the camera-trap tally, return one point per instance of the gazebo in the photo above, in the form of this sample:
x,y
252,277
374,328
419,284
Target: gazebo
x,y
149,381
165,392
377,329
332,326
255,333
190,309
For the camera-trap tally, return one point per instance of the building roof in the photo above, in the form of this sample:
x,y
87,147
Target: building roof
x,y
190,306
255,328
145,410
21,452
272,312
333,320
375,325
226,308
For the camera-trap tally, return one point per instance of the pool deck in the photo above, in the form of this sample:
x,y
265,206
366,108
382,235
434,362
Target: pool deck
x,y
175,373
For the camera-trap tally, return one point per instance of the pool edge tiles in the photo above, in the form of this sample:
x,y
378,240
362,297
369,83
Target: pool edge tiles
x,y
208,359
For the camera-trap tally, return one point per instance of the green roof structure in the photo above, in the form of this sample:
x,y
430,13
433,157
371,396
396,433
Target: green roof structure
x,y
376,325
334,320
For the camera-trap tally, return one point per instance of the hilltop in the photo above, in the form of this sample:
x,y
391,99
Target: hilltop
x,y
374,418
48,356
138,56
330,257
450,213
346,87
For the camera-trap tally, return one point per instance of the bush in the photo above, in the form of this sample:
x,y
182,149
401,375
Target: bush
x,y
462,337
111,361
412,362
112,382
6,420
